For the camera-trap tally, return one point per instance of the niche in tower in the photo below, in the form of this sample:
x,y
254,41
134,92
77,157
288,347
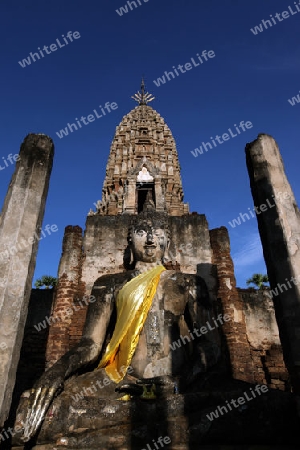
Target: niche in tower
x,y
145,190
145,195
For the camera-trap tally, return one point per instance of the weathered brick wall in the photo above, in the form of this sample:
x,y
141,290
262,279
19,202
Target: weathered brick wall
x,y
235,329
68,289
105,242
263,338
32,361
78,320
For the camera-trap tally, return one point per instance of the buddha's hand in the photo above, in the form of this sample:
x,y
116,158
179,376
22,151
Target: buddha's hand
x,y
35,403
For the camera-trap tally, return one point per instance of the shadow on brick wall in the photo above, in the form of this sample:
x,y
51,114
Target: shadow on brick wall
x,y
32,357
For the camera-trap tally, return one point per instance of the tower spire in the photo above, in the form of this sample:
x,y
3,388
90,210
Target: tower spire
x,y
143,88
143,97
143,168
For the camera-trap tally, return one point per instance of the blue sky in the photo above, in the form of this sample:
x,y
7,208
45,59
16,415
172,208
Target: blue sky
x,y
250,78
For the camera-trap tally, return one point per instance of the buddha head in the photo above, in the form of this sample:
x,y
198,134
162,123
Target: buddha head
x,y
149,238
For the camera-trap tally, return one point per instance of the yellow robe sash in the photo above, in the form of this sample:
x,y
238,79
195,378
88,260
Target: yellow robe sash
x,y
133,304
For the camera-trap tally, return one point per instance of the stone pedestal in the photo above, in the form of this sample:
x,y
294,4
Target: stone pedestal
x,y
20,226
85,417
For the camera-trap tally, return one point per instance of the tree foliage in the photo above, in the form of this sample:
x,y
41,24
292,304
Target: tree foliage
x,y
47,281
259,280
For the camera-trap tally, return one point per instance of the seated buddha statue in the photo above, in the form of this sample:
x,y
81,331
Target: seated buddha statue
x,y
128,338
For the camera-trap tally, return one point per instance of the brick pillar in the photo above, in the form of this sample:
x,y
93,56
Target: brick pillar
x,y
78,321
69,288
235,329
20,225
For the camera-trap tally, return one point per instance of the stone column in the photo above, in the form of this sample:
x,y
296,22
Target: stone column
x,y
235,329
20,225
279,227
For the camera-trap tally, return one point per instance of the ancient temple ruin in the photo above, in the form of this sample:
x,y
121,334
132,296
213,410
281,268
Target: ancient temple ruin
x,y
143,161
143,173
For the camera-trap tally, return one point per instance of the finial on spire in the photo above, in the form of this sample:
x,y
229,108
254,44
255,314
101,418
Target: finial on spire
x,y
143,97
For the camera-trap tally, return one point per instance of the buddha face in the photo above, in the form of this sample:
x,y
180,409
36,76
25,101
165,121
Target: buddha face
x,y
149,243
